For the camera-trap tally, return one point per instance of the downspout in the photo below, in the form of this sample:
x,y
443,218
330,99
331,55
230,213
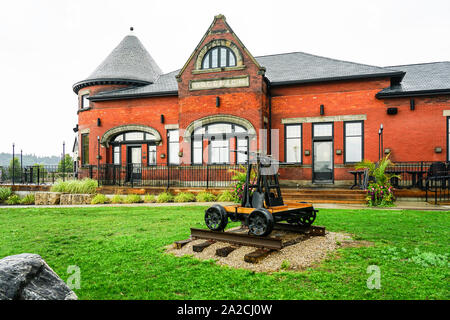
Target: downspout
x,y
269,124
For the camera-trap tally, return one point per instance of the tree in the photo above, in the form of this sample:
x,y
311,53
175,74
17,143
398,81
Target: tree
x,y
66,165
17,173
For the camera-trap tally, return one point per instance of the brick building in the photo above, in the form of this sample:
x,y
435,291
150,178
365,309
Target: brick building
x,y
322,115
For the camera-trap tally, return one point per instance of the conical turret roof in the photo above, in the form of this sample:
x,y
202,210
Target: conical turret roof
x,y
129,63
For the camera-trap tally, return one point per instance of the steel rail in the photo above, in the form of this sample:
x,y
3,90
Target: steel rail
x,y
313,230
238,238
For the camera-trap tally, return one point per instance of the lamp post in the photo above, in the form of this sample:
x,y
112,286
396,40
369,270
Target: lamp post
x,y
98,160
64,161
21,167
380,142
13,169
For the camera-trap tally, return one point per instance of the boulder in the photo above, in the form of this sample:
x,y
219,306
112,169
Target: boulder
x,y
46,198
27,276
65,199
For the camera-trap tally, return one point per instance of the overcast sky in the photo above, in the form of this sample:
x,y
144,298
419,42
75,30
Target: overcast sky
x,y
47,46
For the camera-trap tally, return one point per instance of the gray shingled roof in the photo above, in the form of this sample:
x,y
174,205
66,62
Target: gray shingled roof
x,y
296,67
421,78
129,61
166,84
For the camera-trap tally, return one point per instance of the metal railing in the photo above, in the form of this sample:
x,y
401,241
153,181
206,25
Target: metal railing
x,y
440,186
37,174
162,175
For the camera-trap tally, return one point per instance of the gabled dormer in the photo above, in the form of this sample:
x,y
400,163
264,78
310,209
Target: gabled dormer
x,y
220,62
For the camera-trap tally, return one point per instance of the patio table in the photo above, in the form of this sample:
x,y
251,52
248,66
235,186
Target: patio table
x,y
357,174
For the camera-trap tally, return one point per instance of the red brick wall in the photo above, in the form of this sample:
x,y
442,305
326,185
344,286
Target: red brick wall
x,y
145,111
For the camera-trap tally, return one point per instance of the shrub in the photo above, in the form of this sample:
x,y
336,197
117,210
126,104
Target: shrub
x,y
150,198
4,194
28,199
227,196
184,197
205,197
285,265
133,198
380,192
13,200
84,186
164,197
99,199
117,199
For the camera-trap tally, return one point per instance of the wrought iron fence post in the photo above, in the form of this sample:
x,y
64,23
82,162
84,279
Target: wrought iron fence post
x,y
38,175
207,176
168,175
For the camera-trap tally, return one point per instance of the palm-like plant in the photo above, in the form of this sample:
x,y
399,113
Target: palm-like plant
x,y
378,171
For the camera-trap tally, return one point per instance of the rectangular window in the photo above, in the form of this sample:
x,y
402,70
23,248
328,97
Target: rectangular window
x,y
117,155
353,143
197,150
84,101
85,149
293,143
242,145
219,151
174,146
151,155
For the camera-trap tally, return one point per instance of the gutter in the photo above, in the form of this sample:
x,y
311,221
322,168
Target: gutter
x,y
418,93
133,96
353,77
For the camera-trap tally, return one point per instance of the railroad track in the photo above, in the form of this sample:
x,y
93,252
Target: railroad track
x,y
236,239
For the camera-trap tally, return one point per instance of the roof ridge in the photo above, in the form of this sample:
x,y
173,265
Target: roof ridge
x,y
323,57
416,64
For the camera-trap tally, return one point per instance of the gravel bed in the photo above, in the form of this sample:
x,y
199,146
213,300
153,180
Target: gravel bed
x,y
302,255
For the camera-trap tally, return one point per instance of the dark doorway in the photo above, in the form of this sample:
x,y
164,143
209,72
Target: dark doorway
x,y
134,163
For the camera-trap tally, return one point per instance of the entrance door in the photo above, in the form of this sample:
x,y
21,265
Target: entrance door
x,y
323,152
134,161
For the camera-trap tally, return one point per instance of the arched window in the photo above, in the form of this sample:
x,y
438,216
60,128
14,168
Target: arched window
x,y
218,57
221,138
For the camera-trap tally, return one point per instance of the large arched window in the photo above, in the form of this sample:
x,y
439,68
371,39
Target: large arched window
x,y
220,138
219,57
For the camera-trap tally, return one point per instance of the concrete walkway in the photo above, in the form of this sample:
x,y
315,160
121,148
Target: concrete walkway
x,y
400,205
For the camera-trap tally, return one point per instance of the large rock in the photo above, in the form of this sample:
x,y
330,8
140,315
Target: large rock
x,y
65,199
27,276
46,198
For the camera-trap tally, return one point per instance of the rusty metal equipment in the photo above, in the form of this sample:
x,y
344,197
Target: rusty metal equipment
x,y
262,204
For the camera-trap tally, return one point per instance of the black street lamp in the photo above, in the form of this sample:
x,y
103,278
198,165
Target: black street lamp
x,y
98,160
64,161
13,169
21,167
380,142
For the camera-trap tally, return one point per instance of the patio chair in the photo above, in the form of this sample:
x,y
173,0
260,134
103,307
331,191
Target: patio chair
x,y
437,176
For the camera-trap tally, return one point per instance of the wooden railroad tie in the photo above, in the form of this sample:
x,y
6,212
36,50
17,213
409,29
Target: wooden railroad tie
x,y
257,255
225,251
201,246
180,244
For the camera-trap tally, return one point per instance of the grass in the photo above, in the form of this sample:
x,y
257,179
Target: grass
x,y
120,253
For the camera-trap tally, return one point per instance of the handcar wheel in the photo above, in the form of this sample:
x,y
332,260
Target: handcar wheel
x,y
260,223
308,218
216,218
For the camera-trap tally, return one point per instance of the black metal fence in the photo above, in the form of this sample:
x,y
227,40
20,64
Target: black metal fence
x,y
411,174
438,189
207,176
38,174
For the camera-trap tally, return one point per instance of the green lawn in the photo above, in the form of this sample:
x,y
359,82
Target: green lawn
x,y
120,253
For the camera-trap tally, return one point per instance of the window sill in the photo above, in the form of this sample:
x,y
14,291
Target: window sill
x,y
84,109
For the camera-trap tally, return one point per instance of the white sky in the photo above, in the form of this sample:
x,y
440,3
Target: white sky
x,y
46,46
